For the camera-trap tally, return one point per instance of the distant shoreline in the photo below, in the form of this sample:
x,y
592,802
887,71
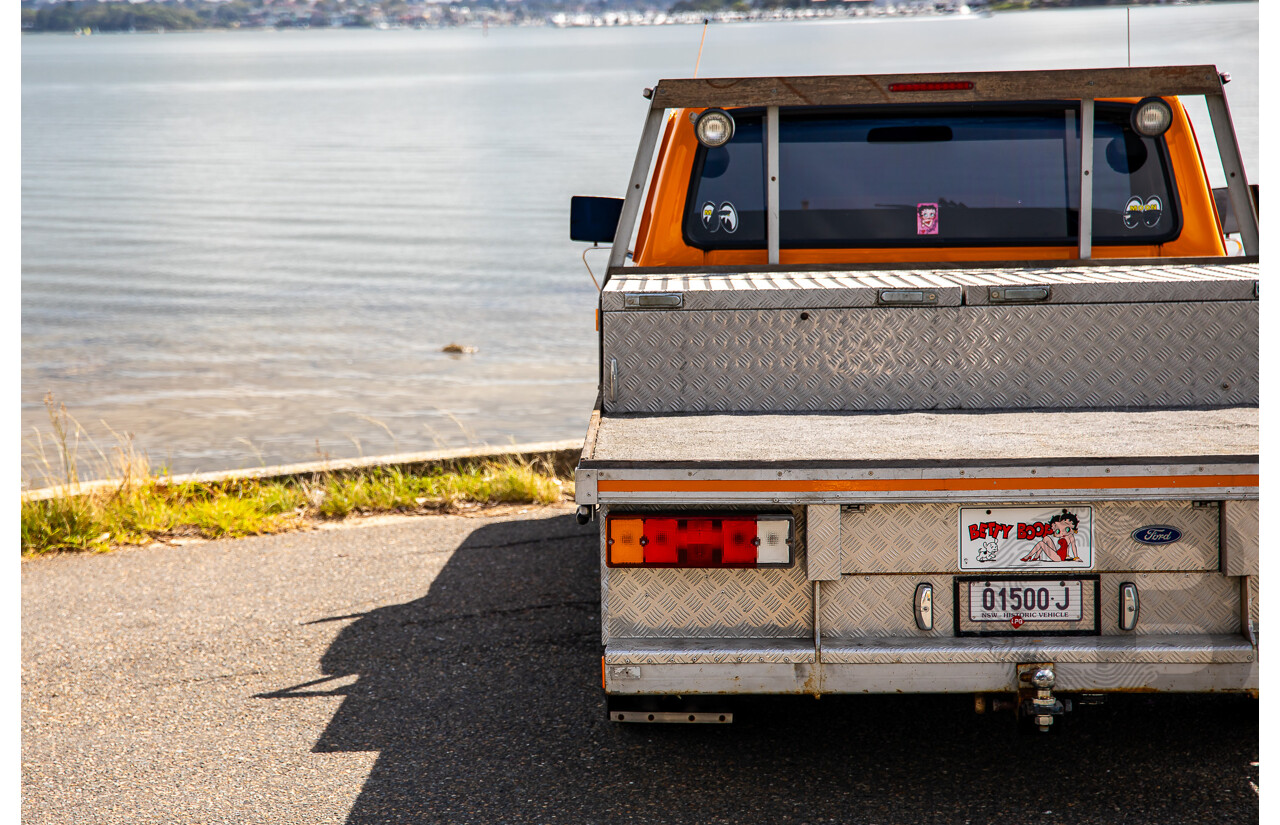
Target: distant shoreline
x,y
438,17
581,21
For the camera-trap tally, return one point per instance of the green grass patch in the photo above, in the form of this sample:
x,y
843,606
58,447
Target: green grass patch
x,y
149,510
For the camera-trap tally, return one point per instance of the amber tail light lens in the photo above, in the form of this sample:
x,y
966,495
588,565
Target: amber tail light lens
x,y
698,540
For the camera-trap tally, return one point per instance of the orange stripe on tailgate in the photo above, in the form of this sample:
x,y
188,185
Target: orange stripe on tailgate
x,y
725,485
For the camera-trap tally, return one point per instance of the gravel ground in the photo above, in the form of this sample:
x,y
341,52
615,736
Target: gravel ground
x,y
446,669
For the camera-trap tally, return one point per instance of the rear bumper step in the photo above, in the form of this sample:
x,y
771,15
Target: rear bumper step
x,y
887,651
1201,663
1074,649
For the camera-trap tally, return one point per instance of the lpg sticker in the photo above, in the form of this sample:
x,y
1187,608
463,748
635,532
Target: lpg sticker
x,y
926,219
709,220
1026,538
1145,212
728,217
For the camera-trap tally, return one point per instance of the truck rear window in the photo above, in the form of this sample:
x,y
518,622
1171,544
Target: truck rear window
x,y
961,177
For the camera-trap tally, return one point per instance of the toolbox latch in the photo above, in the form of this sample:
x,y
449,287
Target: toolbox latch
x,y
1017,294
652,300
907,297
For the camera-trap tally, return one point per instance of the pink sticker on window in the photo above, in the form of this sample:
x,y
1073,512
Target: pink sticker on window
x,y
926,219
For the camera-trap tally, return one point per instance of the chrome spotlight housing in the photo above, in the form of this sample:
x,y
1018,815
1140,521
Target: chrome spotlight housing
x,y
1151,117
714,127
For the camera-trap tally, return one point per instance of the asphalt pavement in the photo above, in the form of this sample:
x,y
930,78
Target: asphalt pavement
x,y
447,669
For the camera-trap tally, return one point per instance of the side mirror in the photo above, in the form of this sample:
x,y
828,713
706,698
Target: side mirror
x,y
593,219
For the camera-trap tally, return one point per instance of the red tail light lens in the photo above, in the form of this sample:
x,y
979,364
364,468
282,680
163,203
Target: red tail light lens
x,y
940,86
740,543
699,540
662,545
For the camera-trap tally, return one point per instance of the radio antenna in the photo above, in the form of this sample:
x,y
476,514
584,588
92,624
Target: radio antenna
x,y
706,21
1128,37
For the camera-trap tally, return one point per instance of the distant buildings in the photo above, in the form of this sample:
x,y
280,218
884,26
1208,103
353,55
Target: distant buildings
x,y
169,15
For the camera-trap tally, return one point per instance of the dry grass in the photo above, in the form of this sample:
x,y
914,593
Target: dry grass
x,y
387,490
143,507
152,510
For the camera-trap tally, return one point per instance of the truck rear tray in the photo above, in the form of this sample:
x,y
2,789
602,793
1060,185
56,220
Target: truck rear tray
x,y
921,438
1021,455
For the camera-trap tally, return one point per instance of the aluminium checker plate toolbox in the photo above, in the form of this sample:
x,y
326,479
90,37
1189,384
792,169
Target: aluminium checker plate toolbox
x,y
1070,337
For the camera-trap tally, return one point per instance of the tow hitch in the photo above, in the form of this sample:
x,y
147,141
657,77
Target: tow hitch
x,y
1035,694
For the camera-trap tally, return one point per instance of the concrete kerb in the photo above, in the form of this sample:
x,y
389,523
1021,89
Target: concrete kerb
x,y
561,455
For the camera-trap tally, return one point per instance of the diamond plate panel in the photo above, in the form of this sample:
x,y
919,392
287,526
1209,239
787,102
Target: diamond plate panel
x,y
791,291
717,604
1174,603
872,607
949,358
907,538
806,290
1201,649
710,603
823,544
1240,538
882,606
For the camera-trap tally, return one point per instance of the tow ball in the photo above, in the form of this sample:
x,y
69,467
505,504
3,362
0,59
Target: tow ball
x,y
1037,701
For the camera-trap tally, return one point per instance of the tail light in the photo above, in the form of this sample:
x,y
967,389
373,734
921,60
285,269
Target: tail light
x,y
934,86
700,540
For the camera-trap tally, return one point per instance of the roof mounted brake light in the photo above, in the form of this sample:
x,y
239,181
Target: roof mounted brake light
x,y
1151,117
939,86
714,127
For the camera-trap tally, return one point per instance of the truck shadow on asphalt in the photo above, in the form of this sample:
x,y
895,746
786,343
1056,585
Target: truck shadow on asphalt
x,y
483,701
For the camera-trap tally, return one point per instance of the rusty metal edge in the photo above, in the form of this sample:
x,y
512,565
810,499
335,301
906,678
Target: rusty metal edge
x,y
834,90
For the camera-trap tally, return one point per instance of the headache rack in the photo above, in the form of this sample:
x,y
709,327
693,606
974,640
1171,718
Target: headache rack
x,y
1085,85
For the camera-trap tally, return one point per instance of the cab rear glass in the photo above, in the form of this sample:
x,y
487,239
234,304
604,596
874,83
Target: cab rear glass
x,y
969,176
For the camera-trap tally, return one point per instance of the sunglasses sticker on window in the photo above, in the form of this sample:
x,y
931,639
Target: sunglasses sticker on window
x,y
728,217
1139,212
926,219
725,217
709,220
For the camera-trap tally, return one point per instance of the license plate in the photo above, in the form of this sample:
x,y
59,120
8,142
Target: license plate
x,y
1017,601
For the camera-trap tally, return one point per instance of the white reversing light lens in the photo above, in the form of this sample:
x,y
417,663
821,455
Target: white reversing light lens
x,y
714,127
774,538
1151,117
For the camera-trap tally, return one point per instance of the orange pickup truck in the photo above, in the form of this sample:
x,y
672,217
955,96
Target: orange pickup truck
x,y
938,383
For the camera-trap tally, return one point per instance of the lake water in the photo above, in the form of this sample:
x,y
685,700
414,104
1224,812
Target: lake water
x,y
250,247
